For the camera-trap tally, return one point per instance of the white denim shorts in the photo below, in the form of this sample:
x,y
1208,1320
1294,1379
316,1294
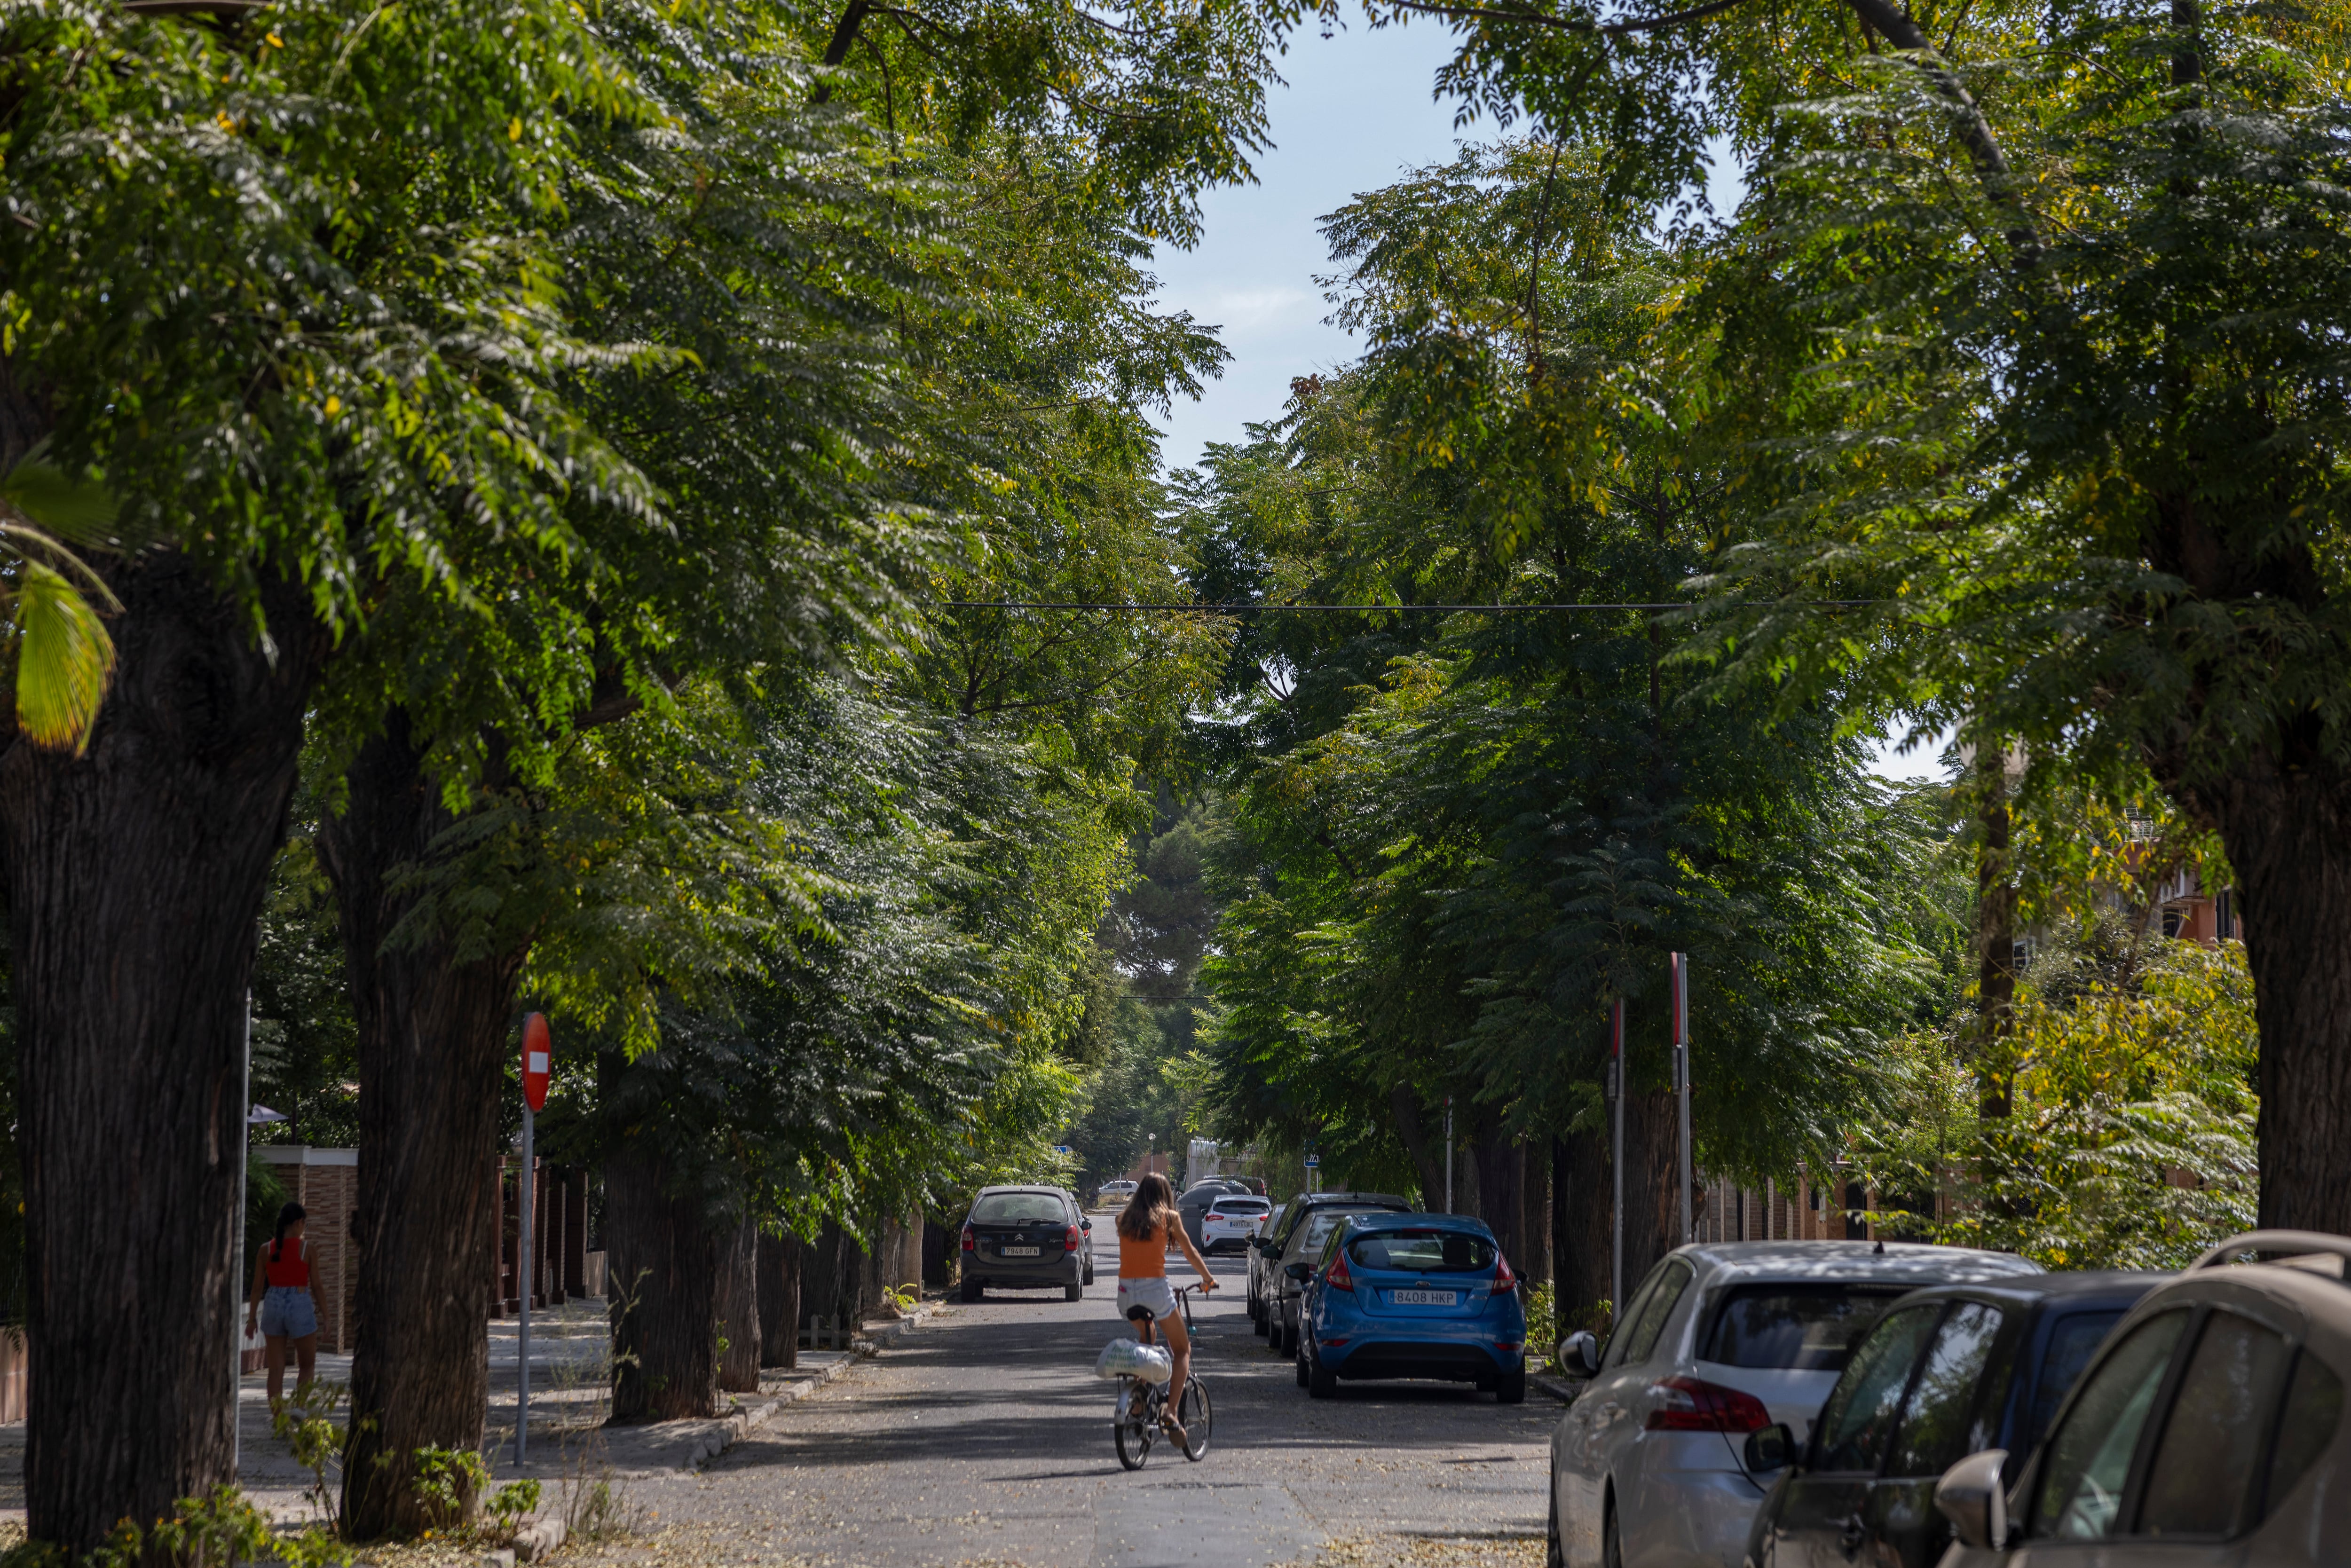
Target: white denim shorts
x,y
1153,1294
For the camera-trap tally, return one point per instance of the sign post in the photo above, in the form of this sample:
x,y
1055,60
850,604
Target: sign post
x,y
1682,1081
1448,1153
538,1054
1616,1158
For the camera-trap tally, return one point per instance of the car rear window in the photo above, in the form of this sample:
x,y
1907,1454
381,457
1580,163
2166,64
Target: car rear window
x,y
1424,1251
1808,1327
1232,1205
1322,1222
1019,1209
2071,1340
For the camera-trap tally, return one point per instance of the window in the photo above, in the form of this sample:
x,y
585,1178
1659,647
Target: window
x,y
1859,1415
1020,1209
1937,1431
2204,1460
2089,1461
1424,1251
2072,1340
1656,1306
1796,1328
2314,1408
1626,1314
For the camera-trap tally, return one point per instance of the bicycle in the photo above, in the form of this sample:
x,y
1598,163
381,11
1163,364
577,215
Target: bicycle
x,y
1134,1420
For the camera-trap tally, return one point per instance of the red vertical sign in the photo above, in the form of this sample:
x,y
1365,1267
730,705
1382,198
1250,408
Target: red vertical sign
x,y
537,1054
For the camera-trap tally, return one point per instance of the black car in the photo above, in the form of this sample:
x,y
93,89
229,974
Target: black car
x,y
1267,1288
1947,1372
1024,1239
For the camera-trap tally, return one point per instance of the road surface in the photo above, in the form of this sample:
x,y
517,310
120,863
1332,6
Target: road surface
x,y
983,1440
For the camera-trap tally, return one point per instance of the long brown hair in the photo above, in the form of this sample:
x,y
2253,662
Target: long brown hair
x,y
1152,1207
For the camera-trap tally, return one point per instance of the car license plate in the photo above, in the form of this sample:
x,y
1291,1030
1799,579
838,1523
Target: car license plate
x,y
1421,1298
1032,1252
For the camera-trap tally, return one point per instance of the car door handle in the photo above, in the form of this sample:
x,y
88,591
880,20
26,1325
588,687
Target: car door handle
x,y
1851,1536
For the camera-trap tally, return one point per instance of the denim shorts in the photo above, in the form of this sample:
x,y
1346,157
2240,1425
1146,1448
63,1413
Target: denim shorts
x,y
289,1310
1153,1294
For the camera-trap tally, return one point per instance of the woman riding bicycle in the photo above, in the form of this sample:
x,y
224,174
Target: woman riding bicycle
x,y
1147,1226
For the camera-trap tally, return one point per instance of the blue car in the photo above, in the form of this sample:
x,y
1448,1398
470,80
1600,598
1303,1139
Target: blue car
x,y
1412,1295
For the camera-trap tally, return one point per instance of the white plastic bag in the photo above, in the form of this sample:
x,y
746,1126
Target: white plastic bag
x,y
1133,1358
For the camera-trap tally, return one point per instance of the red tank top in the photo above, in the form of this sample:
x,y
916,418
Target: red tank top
x,y
288,1264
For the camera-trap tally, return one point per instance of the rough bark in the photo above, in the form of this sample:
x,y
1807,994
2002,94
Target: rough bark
x,y
665,1263
738,1310
1424,1145
779,1300
1582,1200
1533,1259
434,1036
134,874
1500,1167
1652,1220
2288,827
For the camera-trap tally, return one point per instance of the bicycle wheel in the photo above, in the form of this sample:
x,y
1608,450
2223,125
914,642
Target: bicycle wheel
x,y
1134,1423
1197,1413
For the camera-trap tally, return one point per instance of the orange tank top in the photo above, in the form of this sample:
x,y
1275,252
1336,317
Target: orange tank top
x,y
289,1263
1143,1260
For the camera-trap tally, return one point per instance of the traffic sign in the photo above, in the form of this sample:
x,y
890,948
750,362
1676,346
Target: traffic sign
x,y
538,1048
1063,1149
1313,1162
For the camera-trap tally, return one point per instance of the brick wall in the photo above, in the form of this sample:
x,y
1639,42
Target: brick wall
x,y
325,1183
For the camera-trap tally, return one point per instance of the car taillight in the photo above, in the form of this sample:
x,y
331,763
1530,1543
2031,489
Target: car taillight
x,y
1336,1275
1693,1404
969,1244
1504,1280
1072,1242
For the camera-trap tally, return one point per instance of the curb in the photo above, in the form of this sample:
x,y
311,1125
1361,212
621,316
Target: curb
x,y
1559,1388
744,1421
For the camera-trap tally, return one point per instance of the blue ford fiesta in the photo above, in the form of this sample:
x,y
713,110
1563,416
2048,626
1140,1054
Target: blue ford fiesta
x,y
1412,1295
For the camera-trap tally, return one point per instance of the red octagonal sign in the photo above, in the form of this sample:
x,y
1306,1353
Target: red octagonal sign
x,y
538,1048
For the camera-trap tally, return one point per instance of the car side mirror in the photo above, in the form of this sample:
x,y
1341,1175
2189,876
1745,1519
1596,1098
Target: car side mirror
x,y
1578,1355
1300,1273
1769,1449
1972,1497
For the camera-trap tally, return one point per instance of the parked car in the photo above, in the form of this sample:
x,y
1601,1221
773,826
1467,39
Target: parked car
x,y
1116,1192
1086,1237
2209,1430
1647,1466
1025,1238
1231,1221
1307,1238
1945,1372
1265,1249
1411,1295
1198,1198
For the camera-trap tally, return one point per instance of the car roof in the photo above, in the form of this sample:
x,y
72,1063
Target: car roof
x,y
2081,1287
1891,1263
990,1191
1313,1200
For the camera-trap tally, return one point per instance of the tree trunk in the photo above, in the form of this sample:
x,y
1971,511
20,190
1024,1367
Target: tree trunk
x,y
1498,1165
1652,1162
666,1262
1533,1263
2288,833
779,1300
738,1308
1424,1145
434,1031
134,874
1583,1204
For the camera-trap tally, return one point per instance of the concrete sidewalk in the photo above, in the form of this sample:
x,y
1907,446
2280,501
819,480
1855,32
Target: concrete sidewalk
x,y
572,1447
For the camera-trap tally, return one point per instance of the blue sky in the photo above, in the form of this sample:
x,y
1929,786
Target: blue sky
x,y
1356,113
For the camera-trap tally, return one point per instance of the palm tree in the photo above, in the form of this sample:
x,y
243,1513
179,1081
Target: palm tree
x,y
64,657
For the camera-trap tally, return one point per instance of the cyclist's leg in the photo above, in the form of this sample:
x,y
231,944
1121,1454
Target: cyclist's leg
x,y
1179,1344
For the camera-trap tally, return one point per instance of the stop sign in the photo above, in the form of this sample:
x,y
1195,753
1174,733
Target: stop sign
x,y
538,1045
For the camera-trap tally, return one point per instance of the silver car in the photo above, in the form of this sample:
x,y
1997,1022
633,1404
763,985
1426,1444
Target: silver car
x,y
2209,1431
1648,1468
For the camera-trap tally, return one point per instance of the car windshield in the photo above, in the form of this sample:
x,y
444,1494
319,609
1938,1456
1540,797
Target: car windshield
x,y
1017,1208
1424,1251
1322,1222
1811,1327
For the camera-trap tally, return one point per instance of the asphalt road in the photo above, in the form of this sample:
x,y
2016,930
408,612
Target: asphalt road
x,y
982,1439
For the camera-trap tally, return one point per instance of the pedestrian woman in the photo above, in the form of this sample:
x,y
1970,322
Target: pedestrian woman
x,y
1147,1226
286,1301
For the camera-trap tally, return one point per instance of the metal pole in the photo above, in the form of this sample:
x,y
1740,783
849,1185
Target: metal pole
x,y
236,1252
1448,1153
1616,1158
526,1270
1682,1079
